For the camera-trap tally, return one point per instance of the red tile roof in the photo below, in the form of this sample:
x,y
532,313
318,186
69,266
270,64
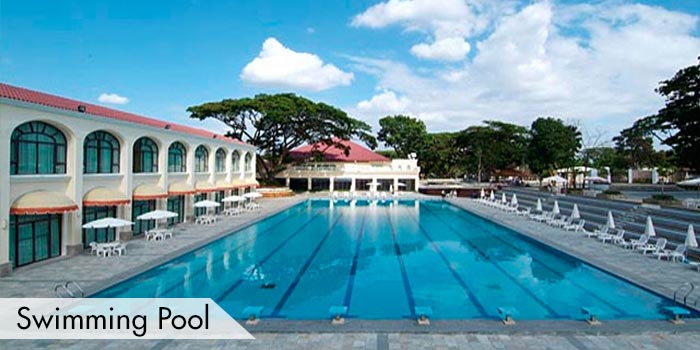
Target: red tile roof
x,y
357,153
40,98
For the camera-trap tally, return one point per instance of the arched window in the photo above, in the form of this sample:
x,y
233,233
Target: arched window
x,y
236,161
145,156
248,162
37,148
177,158
100,153
201,159
220,160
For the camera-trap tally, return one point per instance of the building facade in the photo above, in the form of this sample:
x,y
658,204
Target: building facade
x,y
358,170
68,162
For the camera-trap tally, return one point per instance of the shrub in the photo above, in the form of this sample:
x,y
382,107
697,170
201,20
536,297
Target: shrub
x,y
663,197
612,193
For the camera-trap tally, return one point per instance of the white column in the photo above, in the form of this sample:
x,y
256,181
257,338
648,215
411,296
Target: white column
x,y
72,221
352,184
331,183
629,175
126,168
655,176
308,184
396,184
5,134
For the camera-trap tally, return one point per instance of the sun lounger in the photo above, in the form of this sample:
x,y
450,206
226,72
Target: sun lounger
x,y
575,227
525,212
643,240
617,237
677,254
659,246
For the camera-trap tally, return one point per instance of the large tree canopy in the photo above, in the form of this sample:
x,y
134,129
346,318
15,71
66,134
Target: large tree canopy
x,y
495,145
404,134
553,145
276,124
440,156
678,123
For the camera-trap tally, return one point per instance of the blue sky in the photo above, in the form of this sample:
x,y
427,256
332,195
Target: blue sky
x,y
451,63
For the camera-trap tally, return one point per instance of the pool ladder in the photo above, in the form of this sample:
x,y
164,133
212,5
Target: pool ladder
x,y
690,287
70,289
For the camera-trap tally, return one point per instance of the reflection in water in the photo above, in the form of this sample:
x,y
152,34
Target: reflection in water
x,y
253,273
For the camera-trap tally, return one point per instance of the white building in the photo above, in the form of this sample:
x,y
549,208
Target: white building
x,y
66,162
355,171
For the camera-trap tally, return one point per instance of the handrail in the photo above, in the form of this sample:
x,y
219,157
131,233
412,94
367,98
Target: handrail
x,y
63,288
74,283
679,289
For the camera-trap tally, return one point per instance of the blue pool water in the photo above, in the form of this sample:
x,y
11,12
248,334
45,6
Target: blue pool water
x,y
383,259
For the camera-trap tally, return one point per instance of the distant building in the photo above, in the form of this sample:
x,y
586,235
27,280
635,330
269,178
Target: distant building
x,y
359,170
65,162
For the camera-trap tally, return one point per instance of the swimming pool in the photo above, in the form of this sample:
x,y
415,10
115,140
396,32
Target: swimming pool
x,y
381,260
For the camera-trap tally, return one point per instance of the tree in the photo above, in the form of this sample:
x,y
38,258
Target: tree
x,y
636,148
495,145
276,124
440,157
404,134
553,145
678,123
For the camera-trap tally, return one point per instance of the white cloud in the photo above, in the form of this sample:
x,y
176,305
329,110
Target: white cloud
x,y
385,103
447,25
598,63
113,99
279,66
449,49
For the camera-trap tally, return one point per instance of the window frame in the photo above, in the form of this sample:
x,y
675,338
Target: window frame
x,y
101,138
59,147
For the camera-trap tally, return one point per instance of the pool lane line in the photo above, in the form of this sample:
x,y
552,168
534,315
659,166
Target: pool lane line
x,y
483,254
479,307
402,266
268,256
353,267
300,274
619,311
204,267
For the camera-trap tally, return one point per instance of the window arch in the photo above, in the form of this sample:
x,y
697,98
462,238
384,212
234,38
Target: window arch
x,y
37,148
248,162
201,159
236,161
220,160
145,156
177,158
100,153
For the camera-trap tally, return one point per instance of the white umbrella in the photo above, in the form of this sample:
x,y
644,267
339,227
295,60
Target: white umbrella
x,y
611,220
649,228
539,205
691,182
555,208
556,178
233,199
514,200
483,194
503,197
252,195
492,196
690,240
157,215
400,184
597,179
575,214
206,204
108,223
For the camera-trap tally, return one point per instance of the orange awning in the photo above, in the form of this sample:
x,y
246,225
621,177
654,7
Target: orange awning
x,y
180,188
147,192
104,197
42,202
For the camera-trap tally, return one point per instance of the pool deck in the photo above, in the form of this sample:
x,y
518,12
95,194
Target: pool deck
x,y
660,276
95,273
